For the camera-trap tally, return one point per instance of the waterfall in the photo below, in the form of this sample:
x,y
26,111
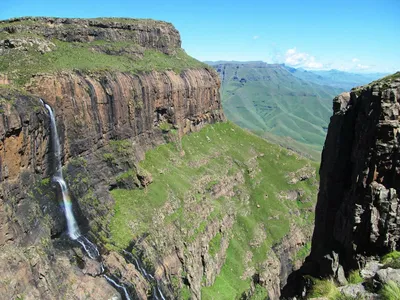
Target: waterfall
x,y
73,229
72,226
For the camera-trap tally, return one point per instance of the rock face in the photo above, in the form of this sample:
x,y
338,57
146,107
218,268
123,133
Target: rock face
x,y
358,211
148,34
97,112
94,109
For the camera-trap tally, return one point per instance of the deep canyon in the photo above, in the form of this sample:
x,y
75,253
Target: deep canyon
x,y
179,202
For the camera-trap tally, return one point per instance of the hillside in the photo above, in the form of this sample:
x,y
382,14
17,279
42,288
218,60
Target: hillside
x,y
108,127
335,78
268,99
222,207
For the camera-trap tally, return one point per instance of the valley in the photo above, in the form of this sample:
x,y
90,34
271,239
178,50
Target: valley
x,y
131,170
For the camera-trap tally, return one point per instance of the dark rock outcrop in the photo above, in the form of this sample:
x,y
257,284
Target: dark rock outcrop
x,y
149,34
358,209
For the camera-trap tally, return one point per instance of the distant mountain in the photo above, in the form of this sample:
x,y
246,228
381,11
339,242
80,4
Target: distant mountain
x,y
270,99
335,78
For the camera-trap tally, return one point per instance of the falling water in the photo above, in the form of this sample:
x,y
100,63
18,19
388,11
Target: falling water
x,y
73,229
113,282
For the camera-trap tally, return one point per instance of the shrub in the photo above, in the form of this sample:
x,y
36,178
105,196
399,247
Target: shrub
x,y
109,157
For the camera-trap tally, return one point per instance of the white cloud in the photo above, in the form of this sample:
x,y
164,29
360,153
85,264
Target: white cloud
x,y
355,60
256,37
362,67
301,59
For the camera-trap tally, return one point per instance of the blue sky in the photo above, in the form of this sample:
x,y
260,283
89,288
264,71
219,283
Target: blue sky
x,y
350,35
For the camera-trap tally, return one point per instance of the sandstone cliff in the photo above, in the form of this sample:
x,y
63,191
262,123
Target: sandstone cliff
x,y
358,211
226,205
92,107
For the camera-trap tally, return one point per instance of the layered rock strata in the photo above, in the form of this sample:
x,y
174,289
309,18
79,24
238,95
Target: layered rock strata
x,y
358,209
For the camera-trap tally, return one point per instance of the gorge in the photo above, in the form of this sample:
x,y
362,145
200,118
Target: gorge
x,y
161,196
178,201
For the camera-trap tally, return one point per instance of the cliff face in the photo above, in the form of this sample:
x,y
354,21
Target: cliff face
x,y
358,211
207,214
98,112
148,34
357,214
94,109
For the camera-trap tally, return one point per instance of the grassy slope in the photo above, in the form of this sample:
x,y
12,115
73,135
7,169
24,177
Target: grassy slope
x,y
224,149
272,100
21,65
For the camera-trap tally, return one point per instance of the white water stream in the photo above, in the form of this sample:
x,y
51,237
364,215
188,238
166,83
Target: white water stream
x,y
72,226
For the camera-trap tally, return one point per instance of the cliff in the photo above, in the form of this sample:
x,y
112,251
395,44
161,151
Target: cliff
x,y
96,102
206,214
357,213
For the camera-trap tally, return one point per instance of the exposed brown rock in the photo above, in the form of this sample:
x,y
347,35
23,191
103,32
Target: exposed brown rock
x,y
93,109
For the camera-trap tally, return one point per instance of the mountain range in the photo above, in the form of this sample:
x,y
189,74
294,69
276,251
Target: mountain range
x,y
286,105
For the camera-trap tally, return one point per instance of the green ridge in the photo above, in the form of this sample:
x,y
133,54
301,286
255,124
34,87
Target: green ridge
x,y
268,99
186,181
21,65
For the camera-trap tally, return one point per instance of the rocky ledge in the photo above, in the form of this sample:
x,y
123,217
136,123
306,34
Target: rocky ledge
x,y
147,33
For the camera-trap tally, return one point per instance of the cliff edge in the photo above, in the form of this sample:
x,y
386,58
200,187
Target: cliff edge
x,y
358,209
113,84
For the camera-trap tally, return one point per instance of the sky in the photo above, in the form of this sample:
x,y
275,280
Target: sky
x,y
351,35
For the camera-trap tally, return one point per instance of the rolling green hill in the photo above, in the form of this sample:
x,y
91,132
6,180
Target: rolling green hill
x,y
268,99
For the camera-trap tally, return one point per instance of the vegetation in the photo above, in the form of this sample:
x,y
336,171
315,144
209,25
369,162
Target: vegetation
x,y
355,277
392,260
165,126
390,291
260,293
87,57
324,288
273,101
303,252
215,244
181,200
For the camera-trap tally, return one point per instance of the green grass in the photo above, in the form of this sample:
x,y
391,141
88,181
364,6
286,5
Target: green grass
x,y
181,196
303,252
273,101
355,277
390,291
260,293
390,257
215,244
324,288
21,65
391,260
